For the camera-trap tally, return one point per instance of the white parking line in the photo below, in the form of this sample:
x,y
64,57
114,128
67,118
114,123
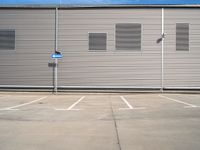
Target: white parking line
x,y
24,104
129,105
73,105
178,101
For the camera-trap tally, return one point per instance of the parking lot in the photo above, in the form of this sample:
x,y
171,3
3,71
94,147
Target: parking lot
x,y
99,121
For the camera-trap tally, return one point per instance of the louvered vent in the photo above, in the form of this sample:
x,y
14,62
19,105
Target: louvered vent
x,y
7,39
128,36
182,37
97,41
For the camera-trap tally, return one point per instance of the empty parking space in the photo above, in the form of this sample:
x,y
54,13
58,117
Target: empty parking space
x,y
64,102
185,99
15,102
99,121
92,102
4,96
150,101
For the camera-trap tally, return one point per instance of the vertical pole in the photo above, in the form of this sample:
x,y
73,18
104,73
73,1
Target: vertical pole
x,y
56,76
56,48
162,53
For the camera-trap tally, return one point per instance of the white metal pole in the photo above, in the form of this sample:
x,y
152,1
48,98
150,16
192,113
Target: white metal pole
x,y
162,53
56,48
56,76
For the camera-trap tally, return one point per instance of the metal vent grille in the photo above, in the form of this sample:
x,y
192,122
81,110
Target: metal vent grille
x,y
97,41
128,36
7,39
182,37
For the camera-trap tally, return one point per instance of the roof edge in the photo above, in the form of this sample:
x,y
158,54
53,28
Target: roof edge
x,y
103,6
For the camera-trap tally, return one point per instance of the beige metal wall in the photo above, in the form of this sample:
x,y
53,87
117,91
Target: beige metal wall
x,y
182,68
28,63
35,38
81,67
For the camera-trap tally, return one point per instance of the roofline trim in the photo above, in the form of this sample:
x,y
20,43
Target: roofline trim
x,y
100,6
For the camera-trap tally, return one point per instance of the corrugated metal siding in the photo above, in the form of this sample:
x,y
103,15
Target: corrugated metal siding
x,y
34,31
28,63
182,68
80,67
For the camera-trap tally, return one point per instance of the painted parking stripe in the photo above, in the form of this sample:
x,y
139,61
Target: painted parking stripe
x,y
129,105
188,105
24,104
73,105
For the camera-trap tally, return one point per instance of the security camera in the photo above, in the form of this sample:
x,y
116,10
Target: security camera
x,y
164,35
57,52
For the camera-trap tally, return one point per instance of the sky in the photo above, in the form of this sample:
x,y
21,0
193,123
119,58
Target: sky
x,y
96,2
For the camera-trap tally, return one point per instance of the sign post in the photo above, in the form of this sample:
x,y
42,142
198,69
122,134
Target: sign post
x,y
57,55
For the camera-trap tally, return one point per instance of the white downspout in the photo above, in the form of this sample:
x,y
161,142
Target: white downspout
x,y
162,53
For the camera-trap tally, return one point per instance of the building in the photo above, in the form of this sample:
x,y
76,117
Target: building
x,y
103,46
